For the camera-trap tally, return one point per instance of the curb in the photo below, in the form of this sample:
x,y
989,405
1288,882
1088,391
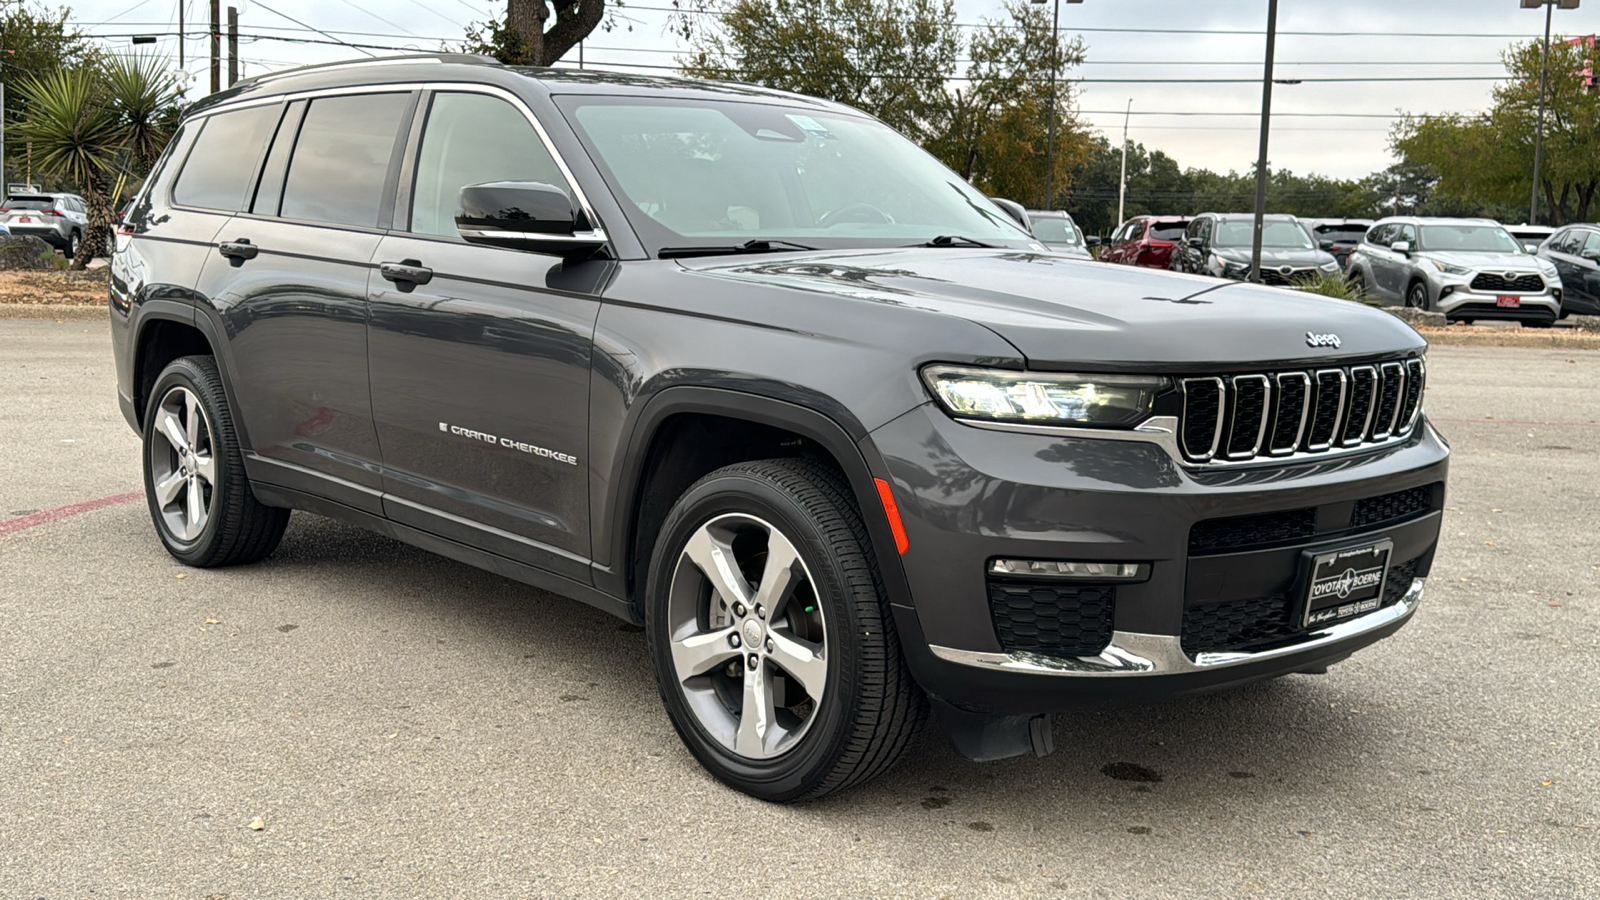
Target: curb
x,y
1547,340
60,312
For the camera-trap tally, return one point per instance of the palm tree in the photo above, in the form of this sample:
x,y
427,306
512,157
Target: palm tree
x,y
91,122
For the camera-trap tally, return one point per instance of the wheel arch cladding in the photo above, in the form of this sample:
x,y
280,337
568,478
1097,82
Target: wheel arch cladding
x,y
685,433
162,340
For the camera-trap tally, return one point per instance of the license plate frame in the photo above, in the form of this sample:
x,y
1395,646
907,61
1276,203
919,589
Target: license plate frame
x,y
1344,583
1507,302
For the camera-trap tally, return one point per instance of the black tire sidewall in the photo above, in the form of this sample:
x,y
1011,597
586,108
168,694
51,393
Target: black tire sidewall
x,y
1415,302
203,384
797,771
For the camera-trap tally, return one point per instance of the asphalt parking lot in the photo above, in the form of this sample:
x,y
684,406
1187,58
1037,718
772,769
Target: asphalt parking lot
x,y
403,726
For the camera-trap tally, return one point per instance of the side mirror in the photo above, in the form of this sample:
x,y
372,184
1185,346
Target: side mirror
x,y
1593,254
526,215
1015,210
1401,247
1192,240
1326,245
1091,240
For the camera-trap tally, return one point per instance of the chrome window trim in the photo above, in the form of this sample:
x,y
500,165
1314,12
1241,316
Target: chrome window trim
x,y
1222,410
1261,431
1372,403
1305,413
1135,654
1338,409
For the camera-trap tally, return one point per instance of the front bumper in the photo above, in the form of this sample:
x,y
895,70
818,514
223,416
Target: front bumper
x,y
970,495
1458,300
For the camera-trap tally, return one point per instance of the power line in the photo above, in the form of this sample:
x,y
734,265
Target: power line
x,y
317,30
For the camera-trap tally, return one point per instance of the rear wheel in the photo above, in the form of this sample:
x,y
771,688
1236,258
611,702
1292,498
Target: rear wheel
x,y
194,481
769,632
73,240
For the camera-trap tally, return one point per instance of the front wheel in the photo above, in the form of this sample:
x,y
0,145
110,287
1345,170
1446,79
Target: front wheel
x,y
1417,296
770,634
194,480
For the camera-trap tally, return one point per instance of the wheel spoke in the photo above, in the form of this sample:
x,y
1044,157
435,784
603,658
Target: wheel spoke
x,y
206,466
168,487
779,576
197,508
700,653
172,429
756,716
192,413
715,560
801,660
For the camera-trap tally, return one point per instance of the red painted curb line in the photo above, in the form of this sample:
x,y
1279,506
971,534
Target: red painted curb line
x,y
10,526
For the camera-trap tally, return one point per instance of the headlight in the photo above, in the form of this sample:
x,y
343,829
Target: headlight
x,y
1044,398
1329,266
1449,269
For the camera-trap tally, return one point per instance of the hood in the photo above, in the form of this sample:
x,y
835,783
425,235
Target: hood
x,y
1272,257
1490,262
1064,313
1075,251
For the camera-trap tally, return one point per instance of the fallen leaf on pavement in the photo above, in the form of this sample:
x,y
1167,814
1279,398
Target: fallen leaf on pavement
x,y
257,824
213,621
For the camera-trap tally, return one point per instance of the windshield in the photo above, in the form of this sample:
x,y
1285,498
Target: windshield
x,y
1468,239
1053,230
698,173
1281,235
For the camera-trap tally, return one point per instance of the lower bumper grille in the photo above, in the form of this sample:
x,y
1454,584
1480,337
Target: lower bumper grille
x,y
1052,617
1251,623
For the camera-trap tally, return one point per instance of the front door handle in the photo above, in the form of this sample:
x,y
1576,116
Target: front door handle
x,y
406,274
238,251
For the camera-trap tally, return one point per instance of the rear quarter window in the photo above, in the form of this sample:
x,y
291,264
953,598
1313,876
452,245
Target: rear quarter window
x,y
341,158
222,163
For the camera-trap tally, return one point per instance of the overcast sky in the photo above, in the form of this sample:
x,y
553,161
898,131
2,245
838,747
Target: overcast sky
x,y
1180,48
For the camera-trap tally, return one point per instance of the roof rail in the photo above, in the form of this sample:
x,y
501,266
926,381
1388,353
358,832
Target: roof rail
x,y
396,60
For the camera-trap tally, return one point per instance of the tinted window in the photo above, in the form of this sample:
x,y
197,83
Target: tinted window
x,y
29,203
223,160
1053,230
270,192
473,139
341,160
1167,231
1340,233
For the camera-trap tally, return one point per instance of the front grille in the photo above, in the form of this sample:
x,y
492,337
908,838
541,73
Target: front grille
x,y
1246,624
1285,526
1280,278
1248,417
1052,617
1390,507
1489,282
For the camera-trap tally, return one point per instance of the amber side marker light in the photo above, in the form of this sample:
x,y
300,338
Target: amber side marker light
x,y
892,511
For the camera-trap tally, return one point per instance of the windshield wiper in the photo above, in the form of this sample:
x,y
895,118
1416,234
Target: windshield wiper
x,y
759,245
951,240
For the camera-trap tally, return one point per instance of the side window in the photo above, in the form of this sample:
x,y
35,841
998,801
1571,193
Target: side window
x,y
223,159
341,160
270,192
1408,234
473,139
1205,231
1567,241
1193,230
1592,245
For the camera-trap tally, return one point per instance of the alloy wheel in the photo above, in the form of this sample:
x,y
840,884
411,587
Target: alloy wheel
x,y
747,636
183,468
1418,297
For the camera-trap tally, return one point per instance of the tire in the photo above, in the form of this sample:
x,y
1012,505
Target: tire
x,y
194,480
869,708
1417,295
73,240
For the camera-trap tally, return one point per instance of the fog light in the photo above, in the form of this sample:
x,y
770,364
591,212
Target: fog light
x,y
1447,290
1077,571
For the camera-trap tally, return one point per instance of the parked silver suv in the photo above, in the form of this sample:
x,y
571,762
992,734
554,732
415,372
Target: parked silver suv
x,y
58,219
1465,268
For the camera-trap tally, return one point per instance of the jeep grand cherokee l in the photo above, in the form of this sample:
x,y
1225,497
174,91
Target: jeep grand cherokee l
x,y
752,370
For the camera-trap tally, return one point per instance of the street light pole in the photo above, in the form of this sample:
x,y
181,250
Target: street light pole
x,y
1266,128
1122,185
1544,79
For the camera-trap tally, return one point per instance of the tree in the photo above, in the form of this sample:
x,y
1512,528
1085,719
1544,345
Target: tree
x,y
96,120
34,43
522,39
1488,158
890,58
995,131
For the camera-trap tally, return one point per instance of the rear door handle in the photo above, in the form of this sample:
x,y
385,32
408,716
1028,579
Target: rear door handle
x,y
406,274
239,250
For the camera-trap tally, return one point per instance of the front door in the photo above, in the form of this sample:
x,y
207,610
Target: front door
x,y
480,355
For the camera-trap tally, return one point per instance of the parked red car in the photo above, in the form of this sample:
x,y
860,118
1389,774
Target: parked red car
x,y
1145,241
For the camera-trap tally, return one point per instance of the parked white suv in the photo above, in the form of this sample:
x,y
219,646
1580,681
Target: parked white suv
x,y
1467,269
60,220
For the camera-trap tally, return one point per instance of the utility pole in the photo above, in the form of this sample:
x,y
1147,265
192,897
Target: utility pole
x,y
4,184
180,33
216,46
1122,185
1266,129
1544,78
1050,129
233,45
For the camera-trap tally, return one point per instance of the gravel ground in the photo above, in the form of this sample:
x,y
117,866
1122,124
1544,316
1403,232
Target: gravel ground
x,y
403,726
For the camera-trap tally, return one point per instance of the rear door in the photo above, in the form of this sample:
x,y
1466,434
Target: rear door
x,y
1586,274
287,283
480,373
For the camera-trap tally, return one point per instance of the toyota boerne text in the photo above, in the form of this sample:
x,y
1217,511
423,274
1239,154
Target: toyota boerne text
x,y
753,371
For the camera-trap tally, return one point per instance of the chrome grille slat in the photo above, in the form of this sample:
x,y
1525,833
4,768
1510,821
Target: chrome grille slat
x,y
1299,414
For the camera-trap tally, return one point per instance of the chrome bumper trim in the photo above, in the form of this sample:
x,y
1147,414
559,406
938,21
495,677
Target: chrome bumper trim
x,y
1134,654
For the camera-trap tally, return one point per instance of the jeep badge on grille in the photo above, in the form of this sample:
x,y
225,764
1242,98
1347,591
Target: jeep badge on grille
x,y
1322,340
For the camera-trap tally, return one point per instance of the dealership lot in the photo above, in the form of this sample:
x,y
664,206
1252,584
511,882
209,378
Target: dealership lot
x,y
404,726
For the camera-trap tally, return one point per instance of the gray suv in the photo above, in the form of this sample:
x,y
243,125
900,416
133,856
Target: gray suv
x,y
755,372
60,220
1468,269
